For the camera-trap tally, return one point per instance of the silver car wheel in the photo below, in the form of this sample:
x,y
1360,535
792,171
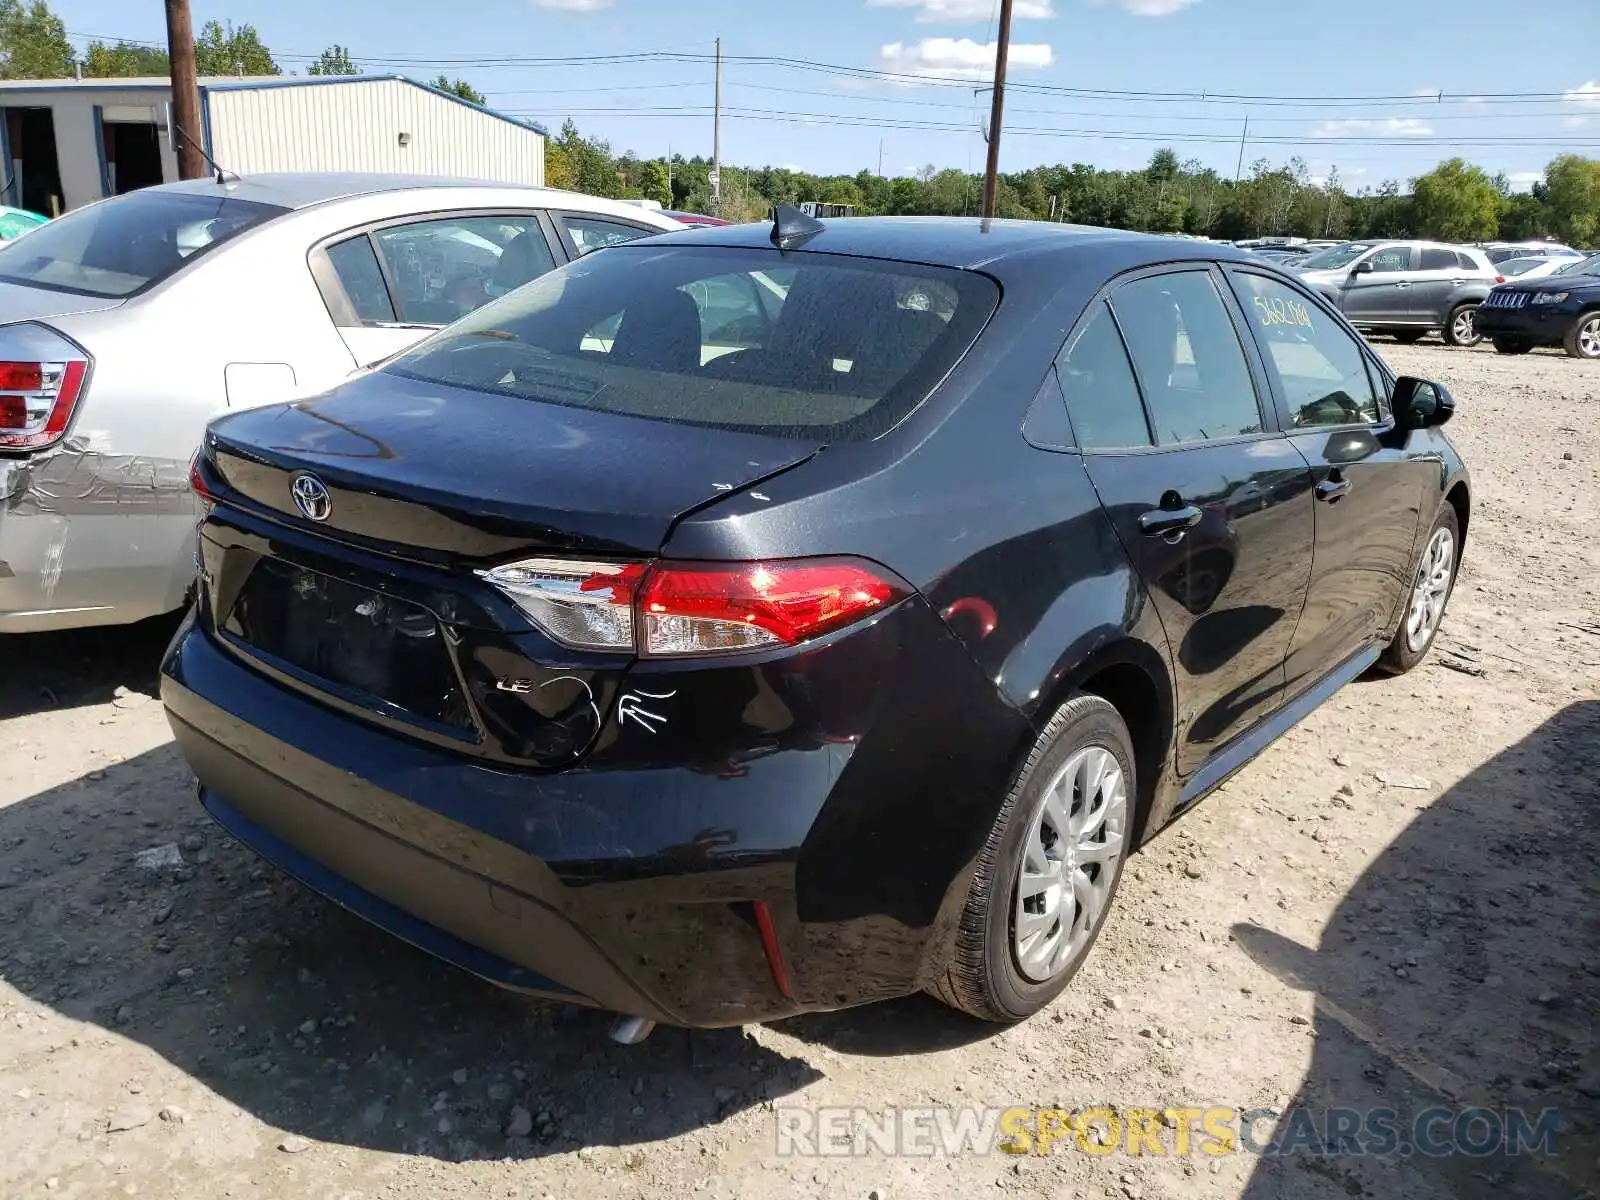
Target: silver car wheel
x,y
1069,863
1589,338
1431,591
1463,327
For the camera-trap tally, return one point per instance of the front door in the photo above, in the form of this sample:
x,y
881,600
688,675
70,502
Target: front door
x,y
1213,507
1369,491
1382,295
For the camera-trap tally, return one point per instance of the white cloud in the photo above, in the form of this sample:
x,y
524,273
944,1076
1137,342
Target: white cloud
x,y
1574,122
1585,95
959,58
953,11
1148,8
575,6
1521,181
1361,126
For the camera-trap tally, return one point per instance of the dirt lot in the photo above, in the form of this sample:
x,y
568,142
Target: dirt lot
x,y
1397,906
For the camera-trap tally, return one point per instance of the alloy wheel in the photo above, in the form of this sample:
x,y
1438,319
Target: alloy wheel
x,y
1431,591
1069,864
1589,338
1463,327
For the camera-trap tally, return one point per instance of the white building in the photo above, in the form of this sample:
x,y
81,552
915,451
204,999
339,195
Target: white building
x,y
67,142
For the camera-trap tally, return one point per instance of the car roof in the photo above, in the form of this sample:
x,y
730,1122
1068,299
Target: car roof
x,y
304,188
969,243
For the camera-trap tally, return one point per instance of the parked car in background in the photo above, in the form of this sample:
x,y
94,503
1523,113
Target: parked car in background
x,y
1533,268
1404,288
1560,309
14,222
644,671
1499,252
692,218
125,325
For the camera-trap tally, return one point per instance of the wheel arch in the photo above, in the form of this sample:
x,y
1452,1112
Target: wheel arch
x,y
1460,499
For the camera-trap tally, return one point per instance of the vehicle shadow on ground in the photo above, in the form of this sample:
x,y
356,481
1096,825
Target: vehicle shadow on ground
x,y
46,671
306,1017
1461,970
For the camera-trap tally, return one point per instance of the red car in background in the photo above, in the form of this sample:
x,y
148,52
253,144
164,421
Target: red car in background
x,y
689,218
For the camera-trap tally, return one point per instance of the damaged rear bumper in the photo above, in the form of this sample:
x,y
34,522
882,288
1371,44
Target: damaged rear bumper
x,y
92,538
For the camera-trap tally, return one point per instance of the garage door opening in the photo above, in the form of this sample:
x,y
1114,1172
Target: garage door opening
x,y
33,176
133,155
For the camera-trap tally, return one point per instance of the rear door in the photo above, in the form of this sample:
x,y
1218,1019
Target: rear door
x,y
1369,488
1382,295
1211,502
1434,283
389,286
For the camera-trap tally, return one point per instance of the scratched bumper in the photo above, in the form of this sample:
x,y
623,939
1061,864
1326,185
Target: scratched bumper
x,y
803,781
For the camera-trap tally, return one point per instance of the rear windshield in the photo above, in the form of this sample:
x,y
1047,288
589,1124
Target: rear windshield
x,y
798,345
127,244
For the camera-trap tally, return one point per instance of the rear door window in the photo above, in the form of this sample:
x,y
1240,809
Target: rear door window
x,y
1186,351
808,345
122,246
438,271
1097,381
589,234
1436,258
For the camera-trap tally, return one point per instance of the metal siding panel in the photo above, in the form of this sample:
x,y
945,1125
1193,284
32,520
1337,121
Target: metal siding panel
x,y
356,127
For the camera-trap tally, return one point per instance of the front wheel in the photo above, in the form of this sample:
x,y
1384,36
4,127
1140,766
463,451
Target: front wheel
x,y
1046,876
1461,326
1511,346
1583,339
1431,587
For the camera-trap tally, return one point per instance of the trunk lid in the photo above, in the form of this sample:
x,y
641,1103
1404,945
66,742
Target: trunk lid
x,y
436,473
20,302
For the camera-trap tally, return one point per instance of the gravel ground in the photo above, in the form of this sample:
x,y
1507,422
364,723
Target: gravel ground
x,y
1398,905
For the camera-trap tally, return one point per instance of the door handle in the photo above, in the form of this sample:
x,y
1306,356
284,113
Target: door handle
x,y
1402,283
1170,523
1332,490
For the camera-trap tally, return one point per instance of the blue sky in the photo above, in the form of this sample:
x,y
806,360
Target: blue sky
x,y
1520,84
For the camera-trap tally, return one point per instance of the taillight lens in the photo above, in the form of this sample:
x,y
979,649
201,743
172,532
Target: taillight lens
x,y
41,382
197,481
677,609
1499,278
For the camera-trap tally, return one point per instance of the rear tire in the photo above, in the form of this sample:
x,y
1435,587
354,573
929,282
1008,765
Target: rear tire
x,y
1583,339
1068,818
1409,337
1461,326
1432,585
1511,346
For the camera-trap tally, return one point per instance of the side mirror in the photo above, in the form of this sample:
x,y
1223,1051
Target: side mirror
x,y
1364,267
1420,403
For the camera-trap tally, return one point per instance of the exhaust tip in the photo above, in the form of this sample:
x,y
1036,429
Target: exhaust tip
x,y
630,1031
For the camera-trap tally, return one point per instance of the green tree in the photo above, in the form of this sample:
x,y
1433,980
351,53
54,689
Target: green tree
x,y
124,60
1456,202
33,42
230,51
653,182
1572,198
462,88
335,60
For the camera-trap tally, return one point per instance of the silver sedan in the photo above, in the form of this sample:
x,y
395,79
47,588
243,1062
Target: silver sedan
x,y
127,324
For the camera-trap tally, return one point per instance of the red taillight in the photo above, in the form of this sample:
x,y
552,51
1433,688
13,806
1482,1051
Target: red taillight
x,y
197,482
41,382
677,609
1499,278
706,608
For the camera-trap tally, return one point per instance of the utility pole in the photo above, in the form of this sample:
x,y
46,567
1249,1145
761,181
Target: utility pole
x,y
671,195
1239,170
880,158
1002,47
185,90
716,139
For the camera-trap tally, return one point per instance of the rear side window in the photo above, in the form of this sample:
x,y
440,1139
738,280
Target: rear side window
x,y
356,263
1102,397
1466,263
1436,258
441,270
1190,364
1321,371
122,246
822,347
591,233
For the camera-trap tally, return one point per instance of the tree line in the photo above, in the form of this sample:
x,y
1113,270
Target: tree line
x,y
34,45
1456,201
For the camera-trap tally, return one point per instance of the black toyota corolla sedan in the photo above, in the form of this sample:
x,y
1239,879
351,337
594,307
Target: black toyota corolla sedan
x,y
764,619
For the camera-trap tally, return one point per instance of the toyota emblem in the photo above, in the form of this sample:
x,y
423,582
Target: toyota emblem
x,y
311,496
